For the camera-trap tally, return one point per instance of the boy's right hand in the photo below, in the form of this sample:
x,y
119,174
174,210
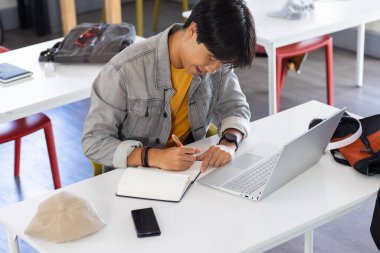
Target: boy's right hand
x,y
174,159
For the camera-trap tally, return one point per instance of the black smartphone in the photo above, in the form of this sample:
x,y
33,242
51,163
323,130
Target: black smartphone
x,y
145,222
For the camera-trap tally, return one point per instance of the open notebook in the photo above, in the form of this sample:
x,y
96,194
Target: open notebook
x,y
153,183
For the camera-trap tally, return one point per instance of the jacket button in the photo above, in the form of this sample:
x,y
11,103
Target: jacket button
x,y
158,141
165,115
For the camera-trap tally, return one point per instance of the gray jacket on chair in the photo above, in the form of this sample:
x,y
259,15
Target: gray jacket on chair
x,y
130,103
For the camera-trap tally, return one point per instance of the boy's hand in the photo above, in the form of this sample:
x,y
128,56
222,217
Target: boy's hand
x,y
217,155
174,159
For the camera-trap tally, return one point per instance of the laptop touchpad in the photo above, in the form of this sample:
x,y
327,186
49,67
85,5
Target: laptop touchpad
x,y
265,149
244,161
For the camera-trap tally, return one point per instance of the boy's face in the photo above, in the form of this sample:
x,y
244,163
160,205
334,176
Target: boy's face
x,y
196,58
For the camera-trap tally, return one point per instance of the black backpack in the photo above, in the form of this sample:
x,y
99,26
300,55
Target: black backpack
x,y
91,43
375,224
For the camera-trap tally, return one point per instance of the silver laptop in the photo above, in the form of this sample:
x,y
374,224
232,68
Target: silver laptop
x,y
254,177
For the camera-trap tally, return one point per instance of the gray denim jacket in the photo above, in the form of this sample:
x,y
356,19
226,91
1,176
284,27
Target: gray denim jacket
x,y
130,103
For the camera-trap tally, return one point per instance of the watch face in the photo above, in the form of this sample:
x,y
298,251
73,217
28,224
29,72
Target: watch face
x,y
230,137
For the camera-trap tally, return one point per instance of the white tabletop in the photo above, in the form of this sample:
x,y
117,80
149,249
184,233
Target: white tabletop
x,y
66,83
329,16
208,220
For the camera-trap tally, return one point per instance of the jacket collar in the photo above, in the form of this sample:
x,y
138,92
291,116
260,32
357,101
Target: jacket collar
x,y
163,80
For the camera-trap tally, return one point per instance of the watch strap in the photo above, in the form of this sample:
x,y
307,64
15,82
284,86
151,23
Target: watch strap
x,y
224,138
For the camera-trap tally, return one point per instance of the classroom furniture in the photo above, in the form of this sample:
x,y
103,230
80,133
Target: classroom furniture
x,y
15,130
3,49
68,13
209,220
52,84
185,7
283,54
112,14
328,17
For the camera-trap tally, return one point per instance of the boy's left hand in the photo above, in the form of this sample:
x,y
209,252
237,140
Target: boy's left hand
x,y
217,156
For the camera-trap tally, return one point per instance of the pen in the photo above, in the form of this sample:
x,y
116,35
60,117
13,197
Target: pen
x,y
179,144
177,141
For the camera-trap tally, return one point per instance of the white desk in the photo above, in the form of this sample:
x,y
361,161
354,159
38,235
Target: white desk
x,y
44,90
329,17
208,220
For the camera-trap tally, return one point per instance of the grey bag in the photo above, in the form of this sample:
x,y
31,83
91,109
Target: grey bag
x,y
91,43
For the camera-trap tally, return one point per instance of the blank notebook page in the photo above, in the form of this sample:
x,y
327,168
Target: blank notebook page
x,y
152,184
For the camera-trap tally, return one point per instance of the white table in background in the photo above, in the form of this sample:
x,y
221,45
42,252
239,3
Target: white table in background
x,y
329,17
46,89
209,220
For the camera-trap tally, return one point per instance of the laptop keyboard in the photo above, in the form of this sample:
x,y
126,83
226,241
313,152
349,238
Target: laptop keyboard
x,y
252,179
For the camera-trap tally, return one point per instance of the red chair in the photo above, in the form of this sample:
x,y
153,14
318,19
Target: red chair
x,y
3,49
17,129
283,54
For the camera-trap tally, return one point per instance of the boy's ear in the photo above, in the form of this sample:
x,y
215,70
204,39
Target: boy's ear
x,y
192,29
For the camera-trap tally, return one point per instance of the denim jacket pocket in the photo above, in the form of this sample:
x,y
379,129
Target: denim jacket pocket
x,y
143,119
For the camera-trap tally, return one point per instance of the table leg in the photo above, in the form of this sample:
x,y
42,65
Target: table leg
x,y
140,19
360,55
271,52
309,242
68,15
113,11
12,242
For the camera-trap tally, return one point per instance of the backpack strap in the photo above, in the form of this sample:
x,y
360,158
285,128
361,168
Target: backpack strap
x,y
48,55
355,126
337,159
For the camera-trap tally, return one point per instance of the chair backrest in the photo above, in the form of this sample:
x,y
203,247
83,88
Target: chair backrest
x,y
97,168
3,49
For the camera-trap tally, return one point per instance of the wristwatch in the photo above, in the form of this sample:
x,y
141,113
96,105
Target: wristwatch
x,y
230,138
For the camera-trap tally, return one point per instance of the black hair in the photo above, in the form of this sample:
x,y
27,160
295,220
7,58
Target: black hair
x,y
227,29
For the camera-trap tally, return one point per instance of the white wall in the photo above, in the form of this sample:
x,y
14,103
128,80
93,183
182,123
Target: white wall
x,y
4,4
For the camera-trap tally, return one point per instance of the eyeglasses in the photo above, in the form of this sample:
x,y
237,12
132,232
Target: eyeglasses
x,y
86,35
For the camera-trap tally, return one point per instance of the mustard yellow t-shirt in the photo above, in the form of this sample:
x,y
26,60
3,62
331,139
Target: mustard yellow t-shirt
x,y
179,105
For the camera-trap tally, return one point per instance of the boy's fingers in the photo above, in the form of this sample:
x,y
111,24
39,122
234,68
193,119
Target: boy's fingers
x,y
188,158
201,156
190,150
206,162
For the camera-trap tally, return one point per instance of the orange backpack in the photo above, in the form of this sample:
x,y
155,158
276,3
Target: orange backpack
x,y
356,143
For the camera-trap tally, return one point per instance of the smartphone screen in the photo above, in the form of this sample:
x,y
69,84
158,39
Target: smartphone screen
x,y
145,222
